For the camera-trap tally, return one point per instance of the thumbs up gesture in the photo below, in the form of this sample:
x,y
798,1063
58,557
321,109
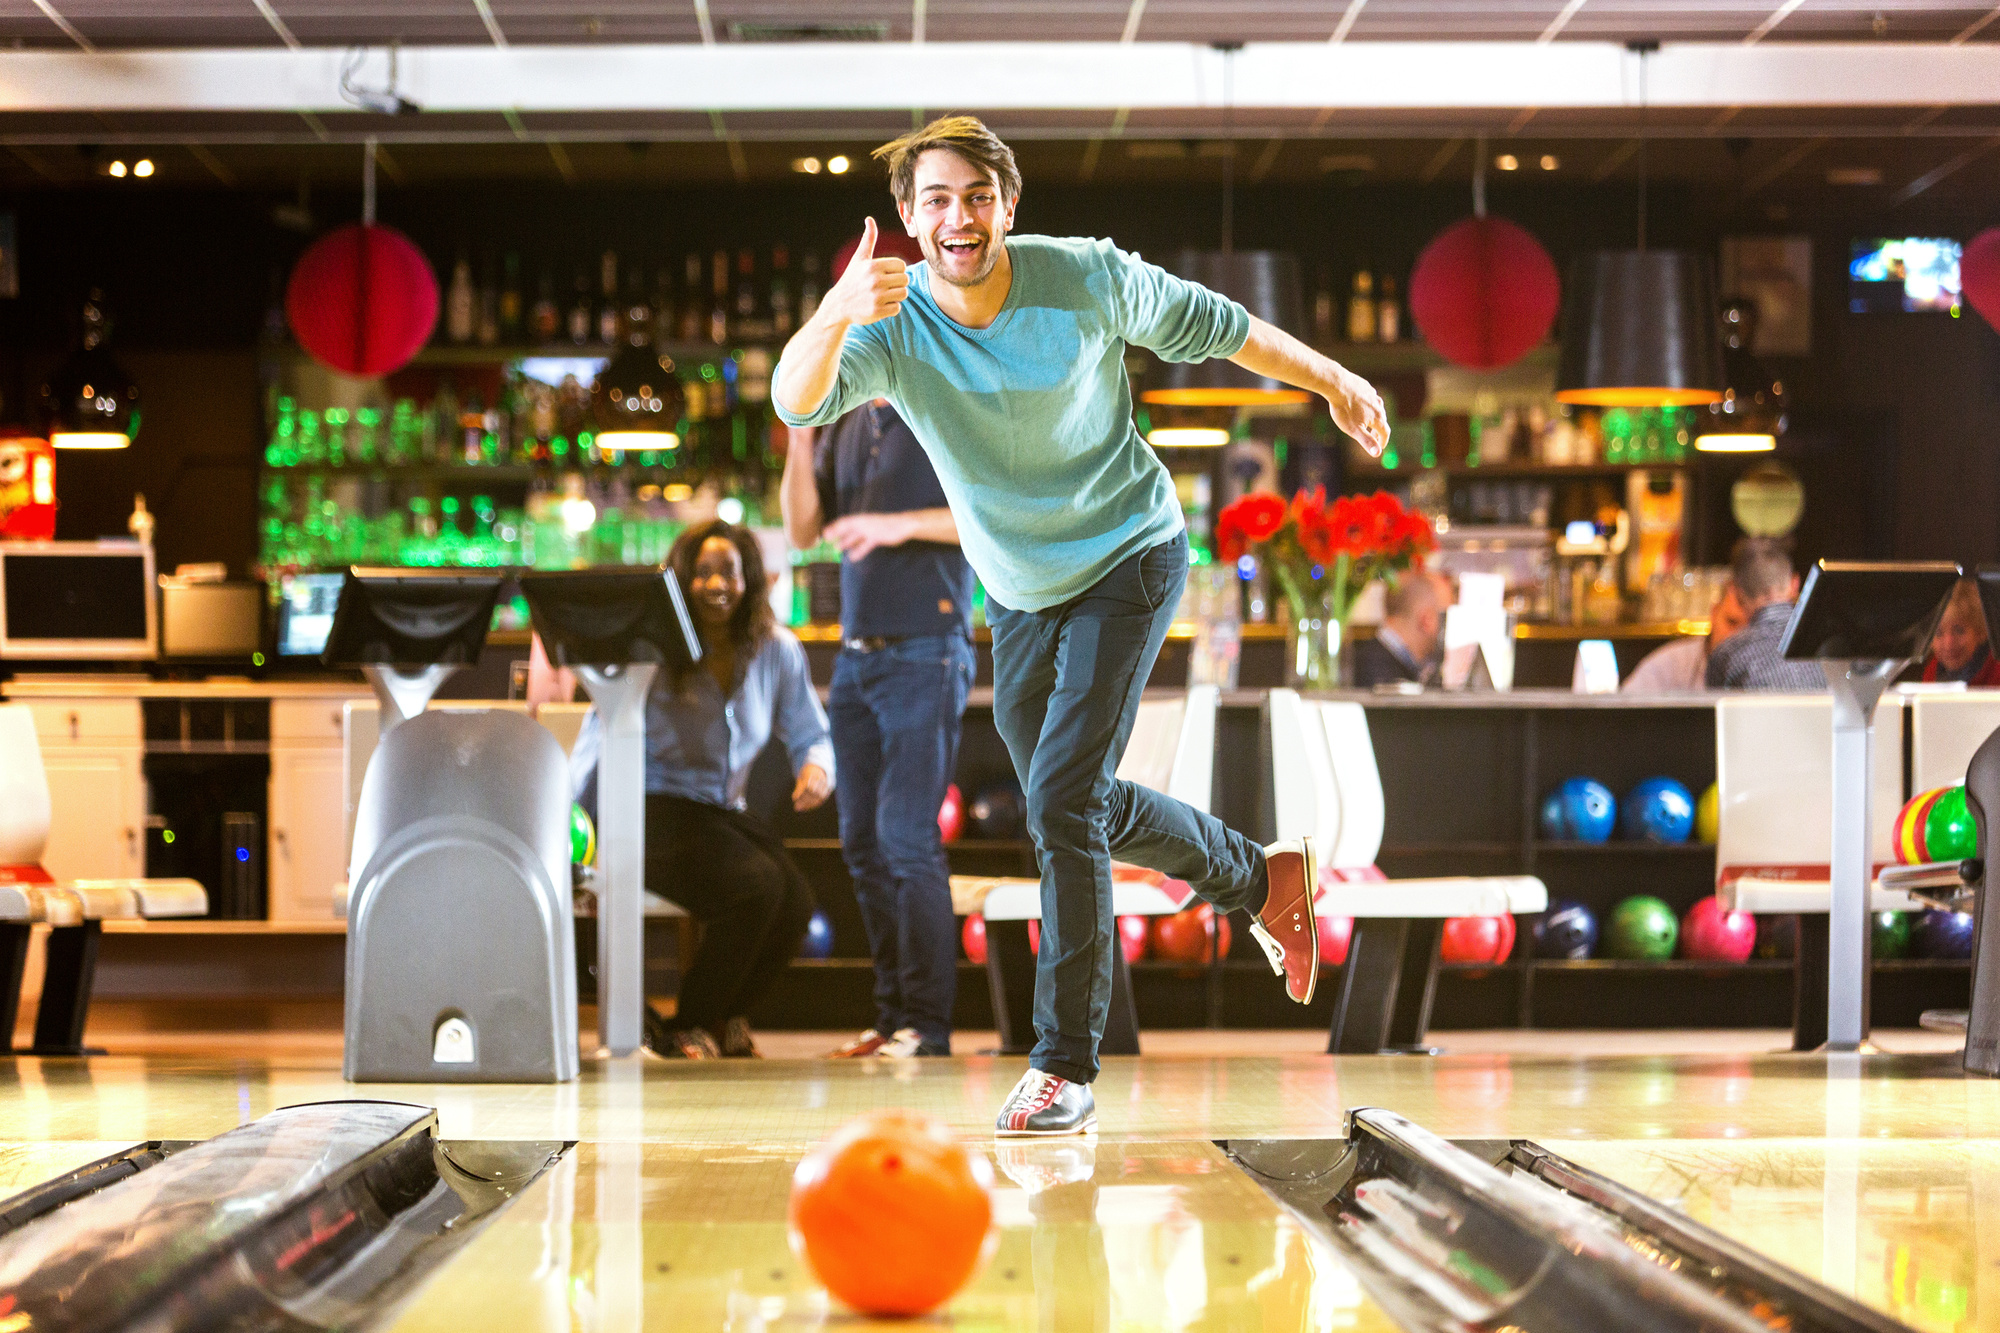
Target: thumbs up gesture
x,y
871,289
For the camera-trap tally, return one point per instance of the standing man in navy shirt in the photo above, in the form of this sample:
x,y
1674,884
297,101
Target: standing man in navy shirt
x,y
898,696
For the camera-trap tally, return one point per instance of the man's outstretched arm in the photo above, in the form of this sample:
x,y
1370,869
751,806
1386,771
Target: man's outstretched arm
x,y
1357,408
869,289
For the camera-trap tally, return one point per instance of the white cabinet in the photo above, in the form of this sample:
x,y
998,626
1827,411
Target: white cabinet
x,y
97,805
308,850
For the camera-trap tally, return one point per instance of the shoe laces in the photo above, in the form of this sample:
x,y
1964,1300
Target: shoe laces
x,y
1036,1091
1273,950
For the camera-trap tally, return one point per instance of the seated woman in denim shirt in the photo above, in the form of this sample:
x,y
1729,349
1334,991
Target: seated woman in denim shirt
x,y
705,726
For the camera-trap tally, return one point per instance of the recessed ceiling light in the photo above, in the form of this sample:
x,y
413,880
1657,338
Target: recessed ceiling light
x,y
838,165
807,166
1854,176
1550,161
1507,162
116,168
143,167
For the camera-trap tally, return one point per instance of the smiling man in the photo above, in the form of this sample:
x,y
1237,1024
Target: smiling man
x,y
1006,356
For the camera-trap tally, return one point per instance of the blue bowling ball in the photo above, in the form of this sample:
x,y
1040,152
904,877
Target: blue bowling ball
x,y
1941,934
1567,930
1580,810
818,942
1657,810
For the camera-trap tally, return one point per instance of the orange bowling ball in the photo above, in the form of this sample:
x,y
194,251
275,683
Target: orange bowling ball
x,y
1186,936
892,1213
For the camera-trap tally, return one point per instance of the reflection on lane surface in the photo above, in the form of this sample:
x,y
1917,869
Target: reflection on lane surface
x,y
1911,1229
1093,1236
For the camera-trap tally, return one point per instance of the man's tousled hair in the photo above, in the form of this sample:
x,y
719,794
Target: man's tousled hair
x,y
965,135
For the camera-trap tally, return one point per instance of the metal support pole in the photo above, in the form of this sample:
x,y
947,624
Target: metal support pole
x,y
404,694
1856,685
619,693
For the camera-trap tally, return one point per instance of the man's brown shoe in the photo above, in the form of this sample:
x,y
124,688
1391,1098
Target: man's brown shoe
x,y
1285,926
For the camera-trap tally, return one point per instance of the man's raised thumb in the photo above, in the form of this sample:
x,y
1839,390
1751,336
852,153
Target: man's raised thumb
x,y
866,250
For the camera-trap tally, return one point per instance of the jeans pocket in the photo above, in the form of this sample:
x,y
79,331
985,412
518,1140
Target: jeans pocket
x,y
1163,572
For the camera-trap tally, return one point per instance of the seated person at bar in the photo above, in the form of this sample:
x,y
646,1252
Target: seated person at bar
x,y
1680,667
704,849
1406,642
1960,650
1760,570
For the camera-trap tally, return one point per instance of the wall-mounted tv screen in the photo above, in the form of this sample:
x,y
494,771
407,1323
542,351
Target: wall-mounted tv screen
x,y
1907,273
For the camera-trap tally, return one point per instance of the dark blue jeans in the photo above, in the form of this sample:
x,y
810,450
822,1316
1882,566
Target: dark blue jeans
x,y
895,714
1066,684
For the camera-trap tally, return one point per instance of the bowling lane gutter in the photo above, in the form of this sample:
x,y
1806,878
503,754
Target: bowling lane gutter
x,y
325,1214
1485,1233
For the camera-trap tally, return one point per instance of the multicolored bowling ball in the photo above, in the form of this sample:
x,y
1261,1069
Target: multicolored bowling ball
x,y
1708,814
1713,934
1890,935
1580,810
892,1213
1132,937
972,935
1641,927
1336,934
1942,934
1184,937
818,942
582,836
1477,939
1567,930
951,814
1777,937
1935,825
1657,810
999,810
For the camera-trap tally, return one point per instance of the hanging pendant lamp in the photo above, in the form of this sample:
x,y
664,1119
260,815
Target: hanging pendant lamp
x,y
90,401
1751,415
1638,326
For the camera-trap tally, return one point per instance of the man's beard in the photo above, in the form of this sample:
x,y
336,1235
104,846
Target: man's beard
x,y
992,248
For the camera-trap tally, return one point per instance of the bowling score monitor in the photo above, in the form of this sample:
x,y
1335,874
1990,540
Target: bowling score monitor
x,y
596,617
76,601
1868,611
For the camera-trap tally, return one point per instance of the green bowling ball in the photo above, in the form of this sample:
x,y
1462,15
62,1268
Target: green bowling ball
x,y
1949,831
1641,927
582,837
1891,933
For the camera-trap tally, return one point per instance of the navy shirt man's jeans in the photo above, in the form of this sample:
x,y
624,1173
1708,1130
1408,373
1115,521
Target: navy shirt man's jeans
x,y
895,714
1066,685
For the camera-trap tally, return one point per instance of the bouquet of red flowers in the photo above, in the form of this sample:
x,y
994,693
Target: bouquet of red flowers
x,y
1324,554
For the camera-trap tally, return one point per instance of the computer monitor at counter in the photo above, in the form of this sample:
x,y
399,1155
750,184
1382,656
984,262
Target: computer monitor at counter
x,y
76,601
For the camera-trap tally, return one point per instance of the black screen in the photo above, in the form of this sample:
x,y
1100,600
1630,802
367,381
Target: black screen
x,y
90,597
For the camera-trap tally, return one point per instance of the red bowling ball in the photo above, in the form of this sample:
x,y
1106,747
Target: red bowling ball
x,y
951,815
1184,937
1477,939
1132,933
1713,935
973,937
1335,934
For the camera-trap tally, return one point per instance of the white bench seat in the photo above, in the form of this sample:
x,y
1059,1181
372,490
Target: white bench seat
x,y
1447,896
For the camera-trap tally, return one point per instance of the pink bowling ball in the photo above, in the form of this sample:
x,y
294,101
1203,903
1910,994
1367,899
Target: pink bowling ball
x,y
1713,935
1132,935
1335,933
973,937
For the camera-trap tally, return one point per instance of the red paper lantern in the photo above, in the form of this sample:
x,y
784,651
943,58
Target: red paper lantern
x,y
362,300
1483,292
1979,274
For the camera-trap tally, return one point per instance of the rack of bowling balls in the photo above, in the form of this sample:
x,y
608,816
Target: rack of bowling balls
x,y
1933,825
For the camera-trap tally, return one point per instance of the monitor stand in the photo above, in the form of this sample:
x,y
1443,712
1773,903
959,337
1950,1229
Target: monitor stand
x,y
619,693
404,693
1857,686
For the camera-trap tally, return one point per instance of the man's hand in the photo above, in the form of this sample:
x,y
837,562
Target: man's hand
x,y
1357,409
858,534
812,788
870,289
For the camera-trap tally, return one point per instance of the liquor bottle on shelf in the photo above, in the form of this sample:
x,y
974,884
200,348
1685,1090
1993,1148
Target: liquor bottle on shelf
x,y
487,331
808,286
1361,309
635,322
367,436
471,430
752,320
608,309
718,292
460,303
662,330
510,299
545,322
1322,313
580,320
442,439
690,326
781,292
1388,313
283,449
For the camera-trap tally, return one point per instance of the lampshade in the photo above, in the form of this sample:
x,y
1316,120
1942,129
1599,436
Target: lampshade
x,y
1265,282
90,402
1638,330
636,402
1751,414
